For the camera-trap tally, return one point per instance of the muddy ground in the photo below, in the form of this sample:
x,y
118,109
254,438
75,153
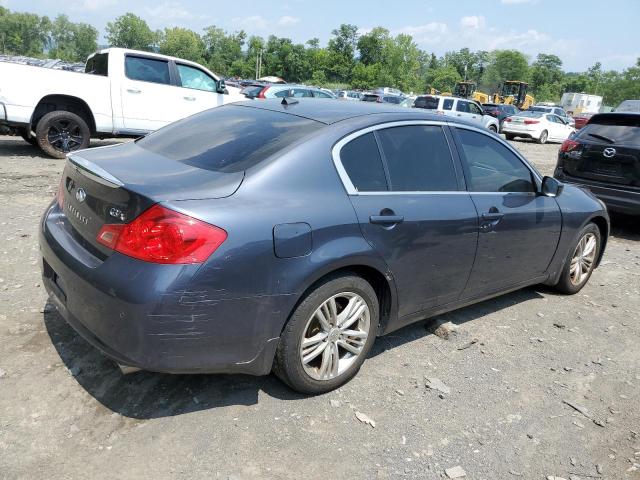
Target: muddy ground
x,y
67,412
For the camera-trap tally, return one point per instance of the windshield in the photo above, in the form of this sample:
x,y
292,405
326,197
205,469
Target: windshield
x,y
510,89
540,109
430,103
530,114
625,133
229,138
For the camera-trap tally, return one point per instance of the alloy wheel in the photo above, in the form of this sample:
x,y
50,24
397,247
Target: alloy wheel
x,y
583,259
335,336
65,135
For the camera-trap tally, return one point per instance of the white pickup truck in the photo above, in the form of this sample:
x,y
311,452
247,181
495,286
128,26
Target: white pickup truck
x,y
121,93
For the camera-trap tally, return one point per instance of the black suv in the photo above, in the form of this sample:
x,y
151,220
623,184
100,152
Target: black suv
x,y
604,157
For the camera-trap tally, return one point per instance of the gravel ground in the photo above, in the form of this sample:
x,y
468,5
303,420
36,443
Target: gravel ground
x,y
511,368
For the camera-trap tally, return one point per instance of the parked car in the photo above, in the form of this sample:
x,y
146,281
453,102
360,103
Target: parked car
x,y
252,90
382,98
629,106
500,111
123,93
291,243
604,157
559,111
582,119
408,102
457,107
296,91
539,126
349,95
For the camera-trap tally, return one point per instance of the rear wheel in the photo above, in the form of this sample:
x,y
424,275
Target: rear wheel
x,y
543,137
328,336
580,261
508,136
493,128
61,132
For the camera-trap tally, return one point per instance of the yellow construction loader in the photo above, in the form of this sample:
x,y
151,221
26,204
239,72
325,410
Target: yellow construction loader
x,y
468,90
513,92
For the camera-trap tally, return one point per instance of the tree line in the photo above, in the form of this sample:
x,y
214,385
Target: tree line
x,y
362,61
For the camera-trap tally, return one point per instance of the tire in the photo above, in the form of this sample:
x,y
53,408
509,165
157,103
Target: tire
x,y
508,136
569,282
493,128
543,137
29,139
309,377
69,130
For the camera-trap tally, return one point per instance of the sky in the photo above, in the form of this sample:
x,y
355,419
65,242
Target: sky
x,y
579,32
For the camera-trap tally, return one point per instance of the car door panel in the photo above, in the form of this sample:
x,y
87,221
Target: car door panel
x,y
427,238
519,229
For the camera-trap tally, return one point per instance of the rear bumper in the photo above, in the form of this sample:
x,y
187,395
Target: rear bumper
x,y
146,316
518,132
616,199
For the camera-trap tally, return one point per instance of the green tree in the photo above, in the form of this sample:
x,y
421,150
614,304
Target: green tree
x,y
182,43
372,45
131,31
507,65
223,49
341,49
23,33
72,41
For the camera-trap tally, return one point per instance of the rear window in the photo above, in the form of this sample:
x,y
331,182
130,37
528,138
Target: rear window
x,y
623,132
98,65
430,103
531,114
229,138
370,98
147,69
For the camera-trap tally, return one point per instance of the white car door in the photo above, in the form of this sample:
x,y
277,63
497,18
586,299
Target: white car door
x,y
147,96
196,91
463,111
556,127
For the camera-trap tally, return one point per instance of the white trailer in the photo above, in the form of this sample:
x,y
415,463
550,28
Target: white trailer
x,y
576,103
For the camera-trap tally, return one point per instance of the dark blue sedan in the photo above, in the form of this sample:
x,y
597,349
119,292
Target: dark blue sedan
x,y
286,236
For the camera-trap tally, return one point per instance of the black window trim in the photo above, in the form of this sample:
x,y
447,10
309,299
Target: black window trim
x,y
173,79
537,177
352,190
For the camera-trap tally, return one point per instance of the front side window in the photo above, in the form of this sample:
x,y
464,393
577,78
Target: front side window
x,y
196,79
362,162
492,167
147,70
418,159
473,108
321,94
301,92
462,106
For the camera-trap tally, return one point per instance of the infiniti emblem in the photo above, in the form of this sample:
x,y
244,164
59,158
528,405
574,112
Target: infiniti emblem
x,y
609,152
81,195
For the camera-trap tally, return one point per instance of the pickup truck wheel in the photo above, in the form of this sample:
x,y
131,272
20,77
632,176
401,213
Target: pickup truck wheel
x,y
61,132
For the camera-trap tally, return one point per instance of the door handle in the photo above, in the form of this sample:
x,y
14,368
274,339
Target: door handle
x,y
133,90
386,219
492,216
191,99
459,114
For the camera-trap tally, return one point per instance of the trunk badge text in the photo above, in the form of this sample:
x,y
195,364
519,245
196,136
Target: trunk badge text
x,y
117,213
74,211
81,195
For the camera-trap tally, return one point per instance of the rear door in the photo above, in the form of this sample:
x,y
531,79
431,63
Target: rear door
x,y
148,98
406,190
519,229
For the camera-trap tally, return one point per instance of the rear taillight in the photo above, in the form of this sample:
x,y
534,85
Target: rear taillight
x,y
262,92
60,193
569,145
531,122
161,235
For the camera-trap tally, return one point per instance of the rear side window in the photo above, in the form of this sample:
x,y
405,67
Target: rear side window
x,y
361,160
492,167
98,65
447,104
228,138
430,103
418,159
147,69
624,133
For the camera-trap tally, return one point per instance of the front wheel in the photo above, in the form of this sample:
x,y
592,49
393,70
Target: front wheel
x,y
61,132
581,261
543,137
328,336
493,128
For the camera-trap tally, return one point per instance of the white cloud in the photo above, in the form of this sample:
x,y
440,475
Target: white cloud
x,y
428,33
473,21
168,11
287,21
252,23
514,2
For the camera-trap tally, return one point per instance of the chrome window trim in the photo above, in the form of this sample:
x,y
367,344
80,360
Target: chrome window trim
x,y
351,190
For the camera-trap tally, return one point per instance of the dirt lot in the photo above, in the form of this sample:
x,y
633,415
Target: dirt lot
x,y
67,412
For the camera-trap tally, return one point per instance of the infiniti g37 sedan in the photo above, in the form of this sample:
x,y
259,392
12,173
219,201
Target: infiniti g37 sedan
x,y
286,236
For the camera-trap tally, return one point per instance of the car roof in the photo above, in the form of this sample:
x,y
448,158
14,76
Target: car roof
x,y
332,111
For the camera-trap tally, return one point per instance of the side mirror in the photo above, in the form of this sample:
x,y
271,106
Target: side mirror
x,y
221,87
551,187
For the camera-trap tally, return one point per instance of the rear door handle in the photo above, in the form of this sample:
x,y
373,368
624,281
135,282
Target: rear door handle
x,y
133,90
191,99
386,219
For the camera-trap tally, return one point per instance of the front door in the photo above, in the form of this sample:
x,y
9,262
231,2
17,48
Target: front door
x,y
196,91
519,228
413,212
